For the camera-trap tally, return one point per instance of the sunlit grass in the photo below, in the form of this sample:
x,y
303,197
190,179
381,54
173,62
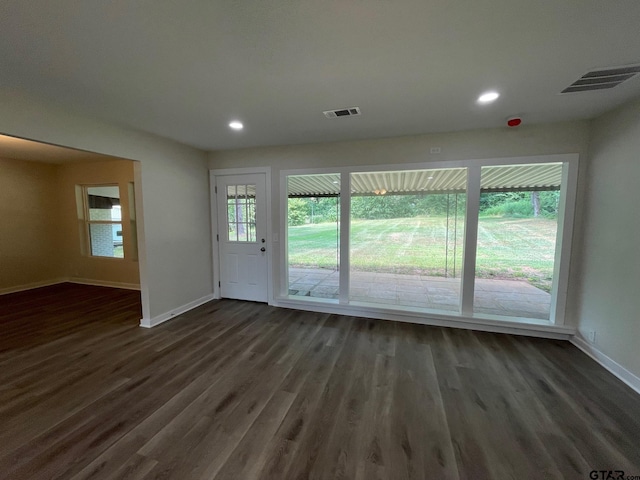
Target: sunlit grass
x,y
507,247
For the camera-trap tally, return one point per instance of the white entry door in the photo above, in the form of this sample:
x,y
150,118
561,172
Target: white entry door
x,y
242,227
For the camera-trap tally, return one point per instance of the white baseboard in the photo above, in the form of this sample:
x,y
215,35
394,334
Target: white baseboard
x,y
607,362
82,281
31,286
534,329
157,320
103,283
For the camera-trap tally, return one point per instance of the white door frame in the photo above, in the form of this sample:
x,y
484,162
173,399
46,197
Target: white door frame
x,y
213,173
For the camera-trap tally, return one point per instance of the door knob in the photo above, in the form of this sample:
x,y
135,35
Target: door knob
x,y
263,249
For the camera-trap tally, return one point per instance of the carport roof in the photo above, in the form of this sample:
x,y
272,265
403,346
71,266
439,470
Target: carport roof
x,y
546,176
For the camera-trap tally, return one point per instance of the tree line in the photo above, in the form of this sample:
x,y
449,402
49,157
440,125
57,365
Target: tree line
x,y
504,204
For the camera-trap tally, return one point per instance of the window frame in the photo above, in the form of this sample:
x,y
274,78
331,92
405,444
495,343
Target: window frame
x,y
88,222
566,213
249,212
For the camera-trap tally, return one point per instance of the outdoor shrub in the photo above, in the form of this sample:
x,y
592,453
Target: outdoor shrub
x,y
406,206
519,204
549,203
516,209
298,211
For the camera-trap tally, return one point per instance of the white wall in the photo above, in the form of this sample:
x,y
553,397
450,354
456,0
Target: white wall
x,y
567,137
609,300
175,253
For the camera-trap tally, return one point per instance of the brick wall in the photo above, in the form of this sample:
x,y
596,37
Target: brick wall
x,y
101,234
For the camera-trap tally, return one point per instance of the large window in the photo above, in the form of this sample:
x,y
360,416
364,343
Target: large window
x,y
516,245
483,239
407,234
103,218
313,235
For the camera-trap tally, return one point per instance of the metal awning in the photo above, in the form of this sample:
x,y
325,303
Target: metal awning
x,y
547,176
542,176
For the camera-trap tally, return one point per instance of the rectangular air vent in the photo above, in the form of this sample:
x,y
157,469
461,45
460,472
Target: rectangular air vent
x,y
603,79
342,112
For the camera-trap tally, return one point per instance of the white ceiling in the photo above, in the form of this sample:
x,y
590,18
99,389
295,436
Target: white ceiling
x,y
185,69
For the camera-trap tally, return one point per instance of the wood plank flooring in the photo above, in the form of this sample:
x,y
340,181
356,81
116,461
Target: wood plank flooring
x,y
238,390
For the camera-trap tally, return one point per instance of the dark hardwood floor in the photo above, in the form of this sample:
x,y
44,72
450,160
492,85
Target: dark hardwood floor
x,y
238,390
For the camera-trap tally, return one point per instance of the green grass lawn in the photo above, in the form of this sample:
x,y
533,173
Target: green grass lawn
x,y
507,247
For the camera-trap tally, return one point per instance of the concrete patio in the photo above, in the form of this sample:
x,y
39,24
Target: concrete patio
x,y
513,298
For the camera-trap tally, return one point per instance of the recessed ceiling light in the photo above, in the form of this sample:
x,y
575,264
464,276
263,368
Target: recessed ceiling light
x,y
488,97
236,125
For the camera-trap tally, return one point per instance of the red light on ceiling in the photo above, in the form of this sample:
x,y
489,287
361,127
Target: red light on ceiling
x,y
514,121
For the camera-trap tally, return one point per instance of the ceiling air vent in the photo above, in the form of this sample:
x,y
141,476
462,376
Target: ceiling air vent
x,y
343,112
603,79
